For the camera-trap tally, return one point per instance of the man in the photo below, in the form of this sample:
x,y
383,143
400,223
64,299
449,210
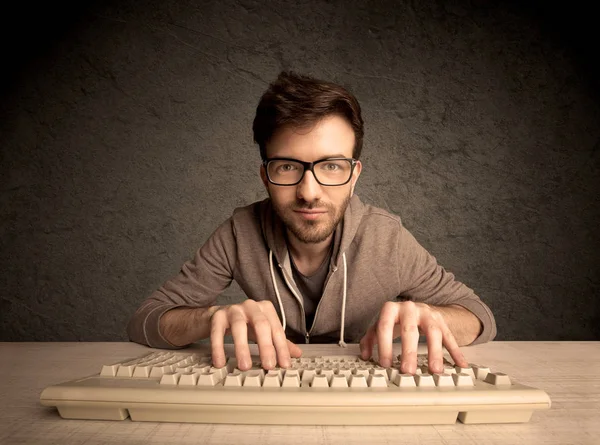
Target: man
x,y
316,263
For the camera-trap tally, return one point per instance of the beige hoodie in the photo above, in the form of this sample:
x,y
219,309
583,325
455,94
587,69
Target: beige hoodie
x,y
375,259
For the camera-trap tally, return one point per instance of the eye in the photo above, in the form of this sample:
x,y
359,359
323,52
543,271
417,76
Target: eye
x,y
286,168
330,166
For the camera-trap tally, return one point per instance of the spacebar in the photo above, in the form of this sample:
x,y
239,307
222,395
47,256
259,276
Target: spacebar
x,y
295,415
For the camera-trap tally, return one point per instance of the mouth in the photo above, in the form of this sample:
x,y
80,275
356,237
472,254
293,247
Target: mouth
x,y
310,214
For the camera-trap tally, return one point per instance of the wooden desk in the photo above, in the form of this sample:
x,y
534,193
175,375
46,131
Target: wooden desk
x,y
568,371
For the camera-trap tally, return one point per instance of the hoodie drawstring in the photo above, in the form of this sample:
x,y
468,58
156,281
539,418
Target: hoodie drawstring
x,y
276,290
341,343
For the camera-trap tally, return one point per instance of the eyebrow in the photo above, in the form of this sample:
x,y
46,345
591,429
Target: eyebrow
x,y
338,155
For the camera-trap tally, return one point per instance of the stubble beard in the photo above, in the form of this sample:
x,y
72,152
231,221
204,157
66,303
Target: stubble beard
x,y
311,231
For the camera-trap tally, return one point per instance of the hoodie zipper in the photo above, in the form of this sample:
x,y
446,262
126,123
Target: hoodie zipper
x,y
307,332
319,303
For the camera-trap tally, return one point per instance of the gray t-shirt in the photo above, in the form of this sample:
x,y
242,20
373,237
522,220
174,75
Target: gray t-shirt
x,y
311,287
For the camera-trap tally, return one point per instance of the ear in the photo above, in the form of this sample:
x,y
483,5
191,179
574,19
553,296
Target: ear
x,y
355,175
263,177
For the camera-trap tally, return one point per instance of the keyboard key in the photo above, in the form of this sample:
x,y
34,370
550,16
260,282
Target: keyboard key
x,y
110,370
125,371
291,379
339,381
277,373
142,371
462,379
392,373
467,370
377,381
234,378
201,369
443,380
271,381
344,372
361,371
158,371
405,381
328,373
209,379
171,378
320,381
379,371
188,379
253,379
307,376
498,379
221,372
425,381
480,372
358,381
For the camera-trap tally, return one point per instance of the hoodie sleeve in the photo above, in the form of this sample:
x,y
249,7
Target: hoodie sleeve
x,y
430,283
198,284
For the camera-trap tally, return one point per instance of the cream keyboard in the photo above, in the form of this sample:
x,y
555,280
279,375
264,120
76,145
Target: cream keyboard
x,y
171,386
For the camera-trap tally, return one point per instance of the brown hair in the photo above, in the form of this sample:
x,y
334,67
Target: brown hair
x,y
300,101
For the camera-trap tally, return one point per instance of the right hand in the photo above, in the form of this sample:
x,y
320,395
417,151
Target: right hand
x,y
257,321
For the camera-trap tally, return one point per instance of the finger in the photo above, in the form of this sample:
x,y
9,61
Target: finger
x,y
278,336
453,349
219,325
409,333
294,349
367,343
239,332
264,340
385,332
434,348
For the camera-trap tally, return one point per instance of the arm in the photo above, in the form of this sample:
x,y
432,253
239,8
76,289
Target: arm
x,y
194,289
182,326
465,326
431,284
446,311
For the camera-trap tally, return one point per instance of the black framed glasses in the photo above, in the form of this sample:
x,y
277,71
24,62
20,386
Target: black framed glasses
x,y
329,172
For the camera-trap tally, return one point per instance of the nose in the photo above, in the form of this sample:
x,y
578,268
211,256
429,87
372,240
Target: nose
x,y
308,189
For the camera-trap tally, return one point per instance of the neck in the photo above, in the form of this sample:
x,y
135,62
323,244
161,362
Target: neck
x,y
305,253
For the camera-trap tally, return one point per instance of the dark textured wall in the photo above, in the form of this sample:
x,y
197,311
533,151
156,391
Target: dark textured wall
x,y
126,138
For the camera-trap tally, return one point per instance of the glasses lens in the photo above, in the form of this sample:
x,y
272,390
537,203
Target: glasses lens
x,y
284,172
333,171
327,171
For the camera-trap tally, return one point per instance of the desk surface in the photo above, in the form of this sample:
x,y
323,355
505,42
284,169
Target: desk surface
x,y
568,371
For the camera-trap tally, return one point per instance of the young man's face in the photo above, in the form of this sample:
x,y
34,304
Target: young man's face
x,y
312,211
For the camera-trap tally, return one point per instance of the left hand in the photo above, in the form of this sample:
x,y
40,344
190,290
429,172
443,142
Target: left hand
x,y
408,320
